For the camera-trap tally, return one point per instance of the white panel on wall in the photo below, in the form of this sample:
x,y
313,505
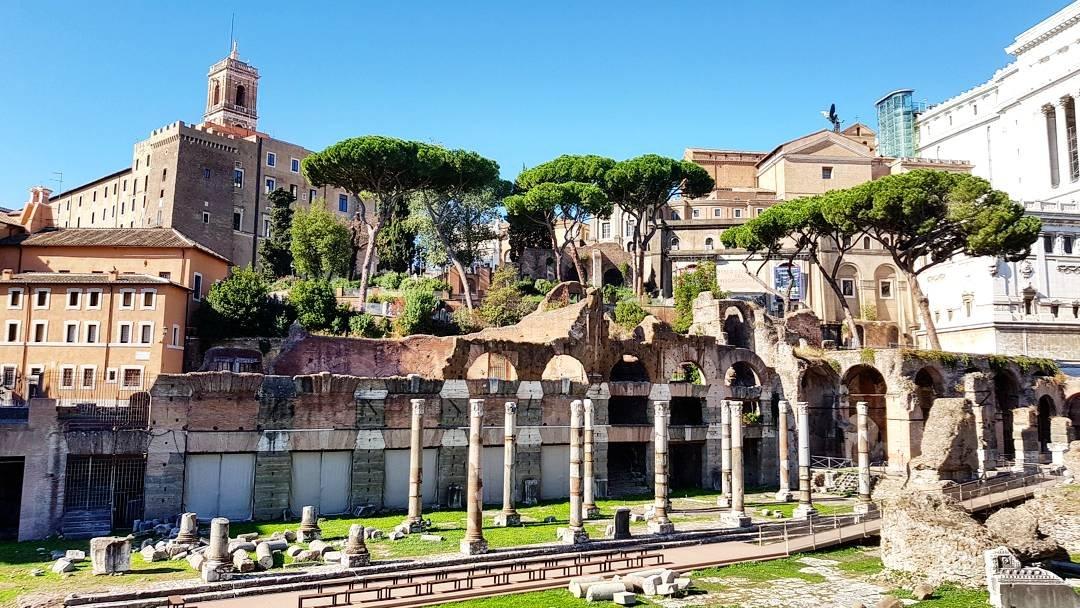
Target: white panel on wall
x,y
321,479
554,471
396,480
492,474
219,485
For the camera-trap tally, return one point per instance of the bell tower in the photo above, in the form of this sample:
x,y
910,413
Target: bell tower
x,y
232,93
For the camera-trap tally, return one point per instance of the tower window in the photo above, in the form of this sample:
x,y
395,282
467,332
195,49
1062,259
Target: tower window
x,y
1067,244
294,165
271,184
217,93
238,178
241,96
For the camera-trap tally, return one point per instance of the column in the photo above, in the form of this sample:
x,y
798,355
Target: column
x,y
736,517
415,520
784,493
474,543
862,411
724,500
509,515
589,501
1052,155
309,529
575,532
355,554
660,523
1060,111
978,389
1025,438
218,562
806,509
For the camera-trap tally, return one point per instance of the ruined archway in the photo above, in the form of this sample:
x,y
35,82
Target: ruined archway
x,y
819,388
491,365
865,383
1007,398
629,388
1045,412
688,402
742,374
929,385
735,328
613,277
629,369
1072,412
565,366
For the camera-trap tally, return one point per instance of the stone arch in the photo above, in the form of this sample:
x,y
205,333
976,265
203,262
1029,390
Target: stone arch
x,y
741,373
216,96
241,96
1072,411
929,385
629,369
688,372
491,365
736,328
565,366
865,382
819,388
614,277
1006,398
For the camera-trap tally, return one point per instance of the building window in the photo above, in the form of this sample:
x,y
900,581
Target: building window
x,y
826,173
718,212
124,336
343,203
865,242
127,299
71,332
758,211
271,159
206,217
695,213
675,215
1054,310
312,195
206,172
266,227
41,331
88,373
67,376
605,230
294,165
1067,244
9,376
674,243
93,299
238,178
11,331
630,227
271,184
15,298
709,244
132,377
91,333
146,333
847,287
196,287
176,335
885,289
736,213
1048,243
110,375
293,191
148,296
73,297
237,219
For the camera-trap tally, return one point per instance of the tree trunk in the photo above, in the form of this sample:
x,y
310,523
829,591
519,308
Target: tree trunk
x,y
464,281
578,268
923,303
369,256
849,319
556,253
639,270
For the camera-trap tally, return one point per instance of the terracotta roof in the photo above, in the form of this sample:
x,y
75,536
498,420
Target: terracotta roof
x,y
81,278
111,237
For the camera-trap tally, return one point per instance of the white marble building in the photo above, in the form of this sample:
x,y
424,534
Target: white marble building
x,y
1019,131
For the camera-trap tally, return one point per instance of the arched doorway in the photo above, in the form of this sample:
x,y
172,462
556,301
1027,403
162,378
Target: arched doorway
x,y
1007,397
1046,412
819,388
735,328
865,383
613,277
564,366
491,365
1072,412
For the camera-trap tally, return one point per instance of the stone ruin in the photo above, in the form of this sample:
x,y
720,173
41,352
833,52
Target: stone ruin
x,y
658,583
1013,585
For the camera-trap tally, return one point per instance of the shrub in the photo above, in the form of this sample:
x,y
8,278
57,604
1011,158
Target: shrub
x,y
614,295
506,301
343,283
389,279
629,314
415,316
467,321
365,325
687,287
423,283
543,286
316,307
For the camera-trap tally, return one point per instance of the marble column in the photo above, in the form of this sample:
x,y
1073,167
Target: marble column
x,y
309,529
862,411
189,529
589,482
660,523
724,500
355,554
474,543
218,564
806,508
784,493
509,515
736,517
415,520
575,532
1064,170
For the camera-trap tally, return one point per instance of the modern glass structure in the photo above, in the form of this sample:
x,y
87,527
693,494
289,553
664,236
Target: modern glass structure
x,y
896,134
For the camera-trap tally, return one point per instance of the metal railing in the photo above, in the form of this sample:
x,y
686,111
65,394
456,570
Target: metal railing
x,y
996,492
830,462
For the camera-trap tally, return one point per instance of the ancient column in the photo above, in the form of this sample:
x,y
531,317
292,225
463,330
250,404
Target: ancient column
x,y
509,515
189,529
415,521
806,508
218,562
589,481
978,388
784,493
474,543
309,529
736,517
861,424
724,500
575,532
355,554
660,523
1025,438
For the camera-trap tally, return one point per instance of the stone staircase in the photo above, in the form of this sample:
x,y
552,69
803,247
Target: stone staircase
x,y
87,523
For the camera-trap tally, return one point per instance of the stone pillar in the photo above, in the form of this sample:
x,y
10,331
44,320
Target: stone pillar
x,y
1060,431
509,515
979,390
355,554
724,500
219,564
784,493
189,529
575,532
309,529
589,481
474,543
862,410
660,523
1064,171
736,518
1026,438
415,521
806,509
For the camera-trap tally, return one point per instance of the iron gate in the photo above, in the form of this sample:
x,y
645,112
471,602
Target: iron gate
x,y
113,482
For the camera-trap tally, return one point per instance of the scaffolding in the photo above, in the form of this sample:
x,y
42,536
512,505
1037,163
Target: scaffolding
x,y
896,114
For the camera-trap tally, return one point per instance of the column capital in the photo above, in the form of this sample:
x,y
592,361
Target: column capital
x,y
661,408
511,408
417,407
862,408
736,409
1063,100
476,408
802,408
782,405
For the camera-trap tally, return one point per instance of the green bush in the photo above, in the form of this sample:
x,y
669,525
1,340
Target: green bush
x,y
343,283
544,286
415,316
507,300
629,314
316,307
614,295
687,287
467,321
423,283
389,279
362,325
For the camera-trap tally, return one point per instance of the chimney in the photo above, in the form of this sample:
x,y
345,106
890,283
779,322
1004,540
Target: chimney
x,y
6,274
40,195
113,275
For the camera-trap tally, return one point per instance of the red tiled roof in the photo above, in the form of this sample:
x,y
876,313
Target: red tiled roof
x,y
112,237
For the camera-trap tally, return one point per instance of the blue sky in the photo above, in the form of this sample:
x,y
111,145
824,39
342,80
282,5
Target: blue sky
x,y
518,82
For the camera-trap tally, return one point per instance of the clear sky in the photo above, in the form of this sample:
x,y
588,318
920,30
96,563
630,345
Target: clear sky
x,y
519,82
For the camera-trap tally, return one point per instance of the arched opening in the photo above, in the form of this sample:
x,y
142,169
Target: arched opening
x,y
742,373
629,369
1007,397
613,277
1046,412
216,97
241,96
928,386
689,373
491,365
687,409
865,383
565,366
629,401
674,242
820,389
709,244
1072,412
735,328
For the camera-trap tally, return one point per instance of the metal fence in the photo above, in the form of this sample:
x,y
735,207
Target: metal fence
x,y
84,398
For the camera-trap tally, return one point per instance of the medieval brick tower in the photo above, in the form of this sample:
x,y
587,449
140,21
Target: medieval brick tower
x,y
232,93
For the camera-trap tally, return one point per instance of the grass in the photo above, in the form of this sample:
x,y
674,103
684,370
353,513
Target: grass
x,y
950,597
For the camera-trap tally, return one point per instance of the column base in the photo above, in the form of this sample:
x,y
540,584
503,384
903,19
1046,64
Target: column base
x,y
507,520
723,501
355,560
1057,454
661,528
572,536
590,511
784,496
804,512
214,571
735,519
864,508
306,536
474,547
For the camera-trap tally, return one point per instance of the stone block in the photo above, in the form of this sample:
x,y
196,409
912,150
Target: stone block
x,y
649,584
153,554
196,561
624,598
603,591
580,584
922,591
63,565
75,555
666,589
242,562
110,554
431,538
332,557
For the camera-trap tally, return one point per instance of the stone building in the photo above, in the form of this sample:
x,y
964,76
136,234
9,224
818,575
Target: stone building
x,y
208,180
1018,129
328,424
